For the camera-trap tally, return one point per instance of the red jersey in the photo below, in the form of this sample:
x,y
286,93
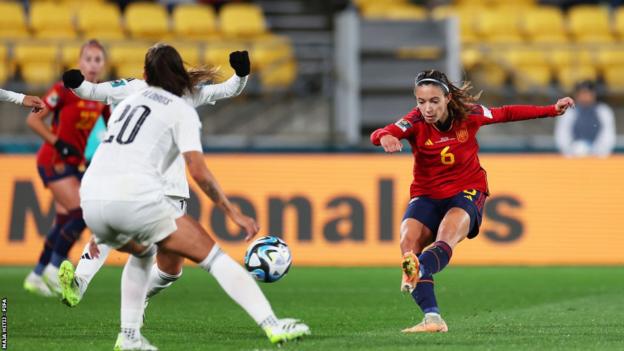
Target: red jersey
x,y
72,122
446,163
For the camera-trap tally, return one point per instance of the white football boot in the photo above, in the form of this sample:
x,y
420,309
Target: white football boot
x,y
34,283
123,343
287,329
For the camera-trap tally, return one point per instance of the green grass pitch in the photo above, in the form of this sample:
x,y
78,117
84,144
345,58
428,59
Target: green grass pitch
x,y
516,308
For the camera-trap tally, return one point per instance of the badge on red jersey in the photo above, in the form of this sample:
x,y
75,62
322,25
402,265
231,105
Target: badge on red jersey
x,y
462,135
403,124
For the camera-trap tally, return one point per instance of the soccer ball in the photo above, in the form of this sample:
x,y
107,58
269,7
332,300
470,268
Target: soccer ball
x,y
268,259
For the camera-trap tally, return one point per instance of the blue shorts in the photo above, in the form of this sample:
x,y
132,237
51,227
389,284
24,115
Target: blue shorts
x,y
59,171
431,211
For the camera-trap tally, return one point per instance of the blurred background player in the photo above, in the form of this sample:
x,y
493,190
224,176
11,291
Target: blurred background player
x,y
589,129
165,126
21,99
168,268
61,163
449,186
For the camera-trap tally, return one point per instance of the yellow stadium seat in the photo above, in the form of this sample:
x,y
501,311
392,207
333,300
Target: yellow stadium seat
x,y
568,76
489,74
590,24
128,60
570,57
497,26
470,56
614,77
618,22
543,24
393,11
4,67
12,22
190,53
609,57
270,51
147,21
466,17
279,76
242,20
70,53
194,22
101,21
526,78
37,62
52,21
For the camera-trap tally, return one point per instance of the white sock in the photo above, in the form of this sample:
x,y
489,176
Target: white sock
x,y
239,285
133,291
159,280
88,266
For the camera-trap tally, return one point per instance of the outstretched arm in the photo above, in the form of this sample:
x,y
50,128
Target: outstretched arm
x,y
108,92
523,112
21,99
389,136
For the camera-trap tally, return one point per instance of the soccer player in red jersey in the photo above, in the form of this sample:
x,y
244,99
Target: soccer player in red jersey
x,y
449,186
61,163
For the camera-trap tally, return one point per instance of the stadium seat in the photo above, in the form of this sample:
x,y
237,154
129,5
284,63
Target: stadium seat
x,y
12,22
271,51
614,78
590,24
398,11
470,56
570,57
101,21
70,53
190,53
218,54
618,22
489,74
544,25
279,76
147,21
128,60
242,20
466,18
37,62
609,57
52,21
530,69
194,22
568,76
4,65
499,27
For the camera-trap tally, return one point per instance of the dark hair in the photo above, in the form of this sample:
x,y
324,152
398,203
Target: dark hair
x,y
164,68
585,85
92,43
461,102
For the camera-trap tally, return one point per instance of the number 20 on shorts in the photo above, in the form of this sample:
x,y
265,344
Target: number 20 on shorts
x,y
446,157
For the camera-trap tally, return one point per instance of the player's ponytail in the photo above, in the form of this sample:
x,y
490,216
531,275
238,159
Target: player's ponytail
x,y
461,102
203,75
164,68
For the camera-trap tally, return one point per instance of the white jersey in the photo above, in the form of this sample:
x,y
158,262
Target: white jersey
x,y
147,133
16,98
112,93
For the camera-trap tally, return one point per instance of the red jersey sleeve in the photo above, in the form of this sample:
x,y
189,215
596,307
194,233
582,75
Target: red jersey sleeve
x,y
53,99
403,128
512,113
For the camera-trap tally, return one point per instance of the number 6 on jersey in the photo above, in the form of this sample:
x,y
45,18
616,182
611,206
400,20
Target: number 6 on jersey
x,y
447,158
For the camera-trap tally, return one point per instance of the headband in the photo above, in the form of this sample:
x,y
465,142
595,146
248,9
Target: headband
x,y
431,80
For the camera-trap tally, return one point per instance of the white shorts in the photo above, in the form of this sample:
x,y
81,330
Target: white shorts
x,y
114,223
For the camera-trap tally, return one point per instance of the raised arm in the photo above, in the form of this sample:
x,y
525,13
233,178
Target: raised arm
x,y
208,94
524,112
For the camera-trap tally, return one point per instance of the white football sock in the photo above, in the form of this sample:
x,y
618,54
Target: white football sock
x,y
88,266
133,291
159,280
239,285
